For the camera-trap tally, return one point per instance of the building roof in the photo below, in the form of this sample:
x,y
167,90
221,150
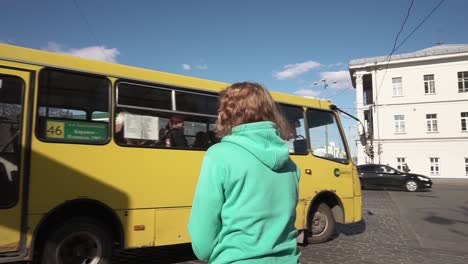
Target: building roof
x,y
444,49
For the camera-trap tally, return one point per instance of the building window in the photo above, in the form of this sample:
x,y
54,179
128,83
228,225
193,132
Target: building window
x,y
463,82
401,162
434,166
429,84
399,123
464,121
431,121
466,166
397,86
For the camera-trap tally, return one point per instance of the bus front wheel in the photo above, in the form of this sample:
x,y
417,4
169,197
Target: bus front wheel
x,y
321,224
79,240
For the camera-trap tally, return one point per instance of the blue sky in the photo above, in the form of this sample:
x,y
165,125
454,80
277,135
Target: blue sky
x,y
285,45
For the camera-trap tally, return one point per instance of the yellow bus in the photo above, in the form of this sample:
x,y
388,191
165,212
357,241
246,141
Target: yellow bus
x,y
86,166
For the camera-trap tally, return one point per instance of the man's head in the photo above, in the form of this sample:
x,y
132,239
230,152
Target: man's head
x,y
177,121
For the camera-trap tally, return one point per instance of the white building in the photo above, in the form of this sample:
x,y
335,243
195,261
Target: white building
x,y
415,109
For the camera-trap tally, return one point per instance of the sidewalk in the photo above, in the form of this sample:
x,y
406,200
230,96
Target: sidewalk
x,y
454,181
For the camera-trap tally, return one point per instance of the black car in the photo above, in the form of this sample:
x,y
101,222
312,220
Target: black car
x,y
384,176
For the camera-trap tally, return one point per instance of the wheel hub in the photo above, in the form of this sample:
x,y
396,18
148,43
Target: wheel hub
x,y
411,185
319,223
79,248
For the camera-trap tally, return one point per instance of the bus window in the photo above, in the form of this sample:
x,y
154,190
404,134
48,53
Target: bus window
x,y
326,140
295,117
143,96
67,102
196,103
153,116
11,90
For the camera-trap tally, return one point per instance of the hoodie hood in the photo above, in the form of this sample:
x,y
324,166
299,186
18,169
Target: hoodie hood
x,y
263,140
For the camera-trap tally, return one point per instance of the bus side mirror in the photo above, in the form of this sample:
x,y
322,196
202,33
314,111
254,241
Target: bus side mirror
x,y
363,139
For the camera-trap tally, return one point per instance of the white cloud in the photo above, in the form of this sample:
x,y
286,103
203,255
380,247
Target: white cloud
x,y
93,52
307,93
342,79
186,67
293,70
338,64
202,66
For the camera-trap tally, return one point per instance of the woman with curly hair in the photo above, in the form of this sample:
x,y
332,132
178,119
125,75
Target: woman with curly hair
x,y
244,207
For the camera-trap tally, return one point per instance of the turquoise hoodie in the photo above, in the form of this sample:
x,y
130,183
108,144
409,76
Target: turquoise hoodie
x,y
244,207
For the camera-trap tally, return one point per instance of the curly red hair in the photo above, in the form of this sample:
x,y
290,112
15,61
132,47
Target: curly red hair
x,y
248,102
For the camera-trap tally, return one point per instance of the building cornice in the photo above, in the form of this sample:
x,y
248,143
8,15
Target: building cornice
x,y
405,61
423,102
420,139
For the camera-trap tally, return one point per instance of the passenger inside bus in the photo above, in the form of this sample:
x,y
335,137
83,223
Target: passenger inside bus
x,y
201,140
212,138
175,135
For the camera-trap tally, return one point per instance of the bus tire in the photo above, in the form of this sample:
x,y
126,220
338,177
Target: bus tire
x,y
321,225
78,240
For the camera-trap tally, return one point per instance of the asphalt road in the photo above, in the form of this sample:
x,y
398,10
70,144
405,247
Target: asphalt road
x,y
398,227
438,217
428,227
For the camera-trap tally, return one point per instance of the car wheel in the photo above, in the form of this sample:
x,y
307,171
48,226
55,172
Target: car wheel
x,y
79,240
411,186
321,225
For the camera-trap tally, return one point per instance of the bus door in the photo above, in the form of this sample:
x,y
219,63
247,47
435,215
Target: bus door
x,y
12,141
332,161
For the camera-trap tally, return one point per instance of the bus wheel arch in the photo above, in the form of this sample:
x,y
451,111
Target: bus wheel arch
x,y
324,211
96,213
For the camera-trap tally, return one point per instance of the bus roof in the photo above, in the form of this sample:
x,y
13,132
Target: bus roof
x,y
63,61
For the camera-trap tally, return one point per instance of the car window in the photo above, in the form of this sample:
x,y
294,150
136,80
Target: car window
x,y
380,169
388,169
364,168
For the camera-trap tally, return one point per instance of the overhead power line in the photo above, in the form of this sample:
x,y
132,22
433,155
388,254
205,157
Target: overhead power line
x,y
420,24
389,57
395,42
396,38
407,37
88,25
401,30
395,48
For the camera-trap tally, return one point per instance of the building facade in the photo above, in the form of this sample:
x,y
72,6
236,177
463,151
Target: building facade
x,y
414,108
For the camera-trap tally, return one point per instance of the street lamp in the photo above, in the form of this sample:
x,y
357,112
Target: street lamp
x,y
325,85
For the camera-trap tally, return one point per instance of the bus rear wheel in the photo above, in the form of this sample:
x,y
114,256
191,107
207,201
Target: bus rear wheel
x,y
79,240
321,225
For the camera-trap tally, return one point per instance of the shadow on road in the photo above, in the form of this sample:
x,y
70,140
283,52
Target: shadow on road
x,y
161,255
350,229
440,220
394,189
